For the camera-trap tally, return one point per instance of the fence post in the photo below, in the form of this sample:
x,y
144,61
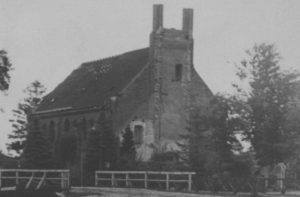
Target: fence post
x,y
0,178
17,178
62,175
283,187
190,182
126,179
112,179
266,184
167,181
146,180
96,179
68,178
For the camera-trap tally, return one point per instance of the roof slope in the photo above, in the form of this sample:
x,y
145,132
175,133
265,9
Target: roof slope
x,y
93,82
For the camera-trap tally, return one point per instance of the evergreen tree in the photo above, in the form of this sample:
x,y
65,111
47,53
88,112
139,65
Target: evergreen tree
x,y
67,150
34,92
127,150
7,161
93,159
102,149
38,150
293,128
266,103
5,67
223,128
194,146
211,148
210,142
110,145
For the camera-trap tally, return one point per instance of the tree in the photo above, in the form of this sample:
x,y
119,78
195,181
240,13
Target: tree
x,y
7,162
94,153
5,67
127,150
266,103
223,127
38,152
67,150
211,139
110,145
34,92
293,128
211,147
102,149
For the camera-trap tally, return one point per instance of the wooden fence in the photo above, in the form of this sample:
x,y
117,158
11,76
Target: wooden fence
x,y
29,178
247,184
144,179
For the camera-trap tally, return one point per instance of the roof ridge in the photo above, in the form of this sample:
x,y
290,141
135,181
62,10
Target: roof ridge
x,y
110,57
99,60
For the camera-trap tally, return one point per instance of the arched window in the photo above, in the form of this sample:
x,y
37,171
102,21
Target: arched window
x,y
59,130
92,122
138,134
84,128
178,72
36,124
44,127
51,131
67,125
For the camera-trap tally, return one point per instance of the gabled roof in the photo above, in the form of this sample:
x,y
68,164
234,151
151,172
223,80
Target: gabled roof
x,y
93,82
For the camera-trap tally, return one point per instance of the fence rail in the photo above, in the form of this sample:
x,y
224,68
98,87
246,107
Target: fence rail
x,y
34,178
235,185
143,178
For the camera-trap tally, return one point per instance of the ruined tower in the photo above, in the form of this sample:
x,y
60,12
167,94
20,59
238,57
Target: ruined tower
x,y
171,56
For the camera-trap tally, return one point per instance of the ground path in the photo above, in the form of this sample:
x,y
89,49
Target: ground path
x,y
130,192
133,192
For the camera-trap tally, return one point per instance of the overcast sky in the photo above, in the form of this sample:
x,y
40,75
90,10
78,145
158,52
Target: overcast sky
x,y
46,40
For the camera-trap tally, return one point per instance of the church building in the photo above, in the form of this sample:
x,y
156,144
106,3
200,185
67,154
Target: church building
x,y
153,90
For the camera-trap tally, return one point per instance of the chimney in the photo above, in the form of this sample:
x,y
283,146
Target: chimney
x,y
157,16
187,23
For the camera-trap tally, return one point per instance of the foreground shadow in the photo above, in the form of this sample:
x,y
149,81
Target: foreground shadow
x,y
29,193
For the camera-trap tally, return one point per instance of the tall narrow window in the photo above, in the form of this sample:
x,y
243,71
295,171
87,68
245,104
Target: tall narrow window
x,y
51,131
44,127
92,123
36,123
58,129
138,134
84,128
178,72
67,125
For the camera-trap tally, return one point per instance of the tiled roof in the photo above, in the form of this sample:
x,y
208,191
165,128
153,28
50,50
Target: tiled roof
x,y
93,82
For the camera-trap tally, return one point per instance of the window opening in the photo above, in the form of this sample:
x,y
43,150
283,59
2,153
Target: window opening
x,y
178,72
138,134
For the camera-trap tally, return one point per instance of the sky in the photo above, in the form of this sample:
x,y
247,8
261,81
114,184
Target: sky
x,y
46,40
